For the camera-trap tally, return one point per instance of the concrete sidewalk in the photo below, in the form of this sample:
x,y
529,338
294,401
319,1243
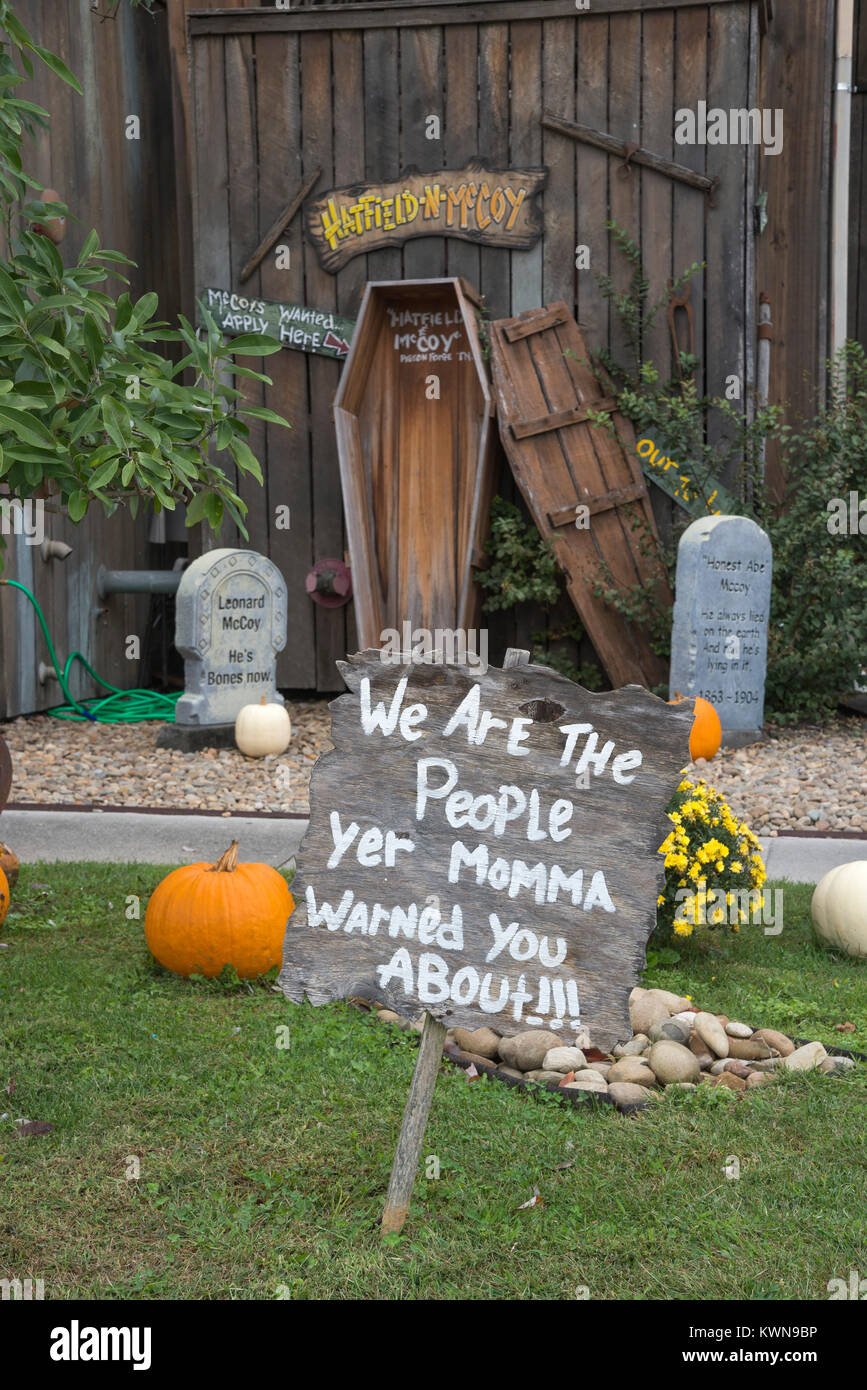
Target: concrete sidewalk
x,y
808,860
121,836
133,836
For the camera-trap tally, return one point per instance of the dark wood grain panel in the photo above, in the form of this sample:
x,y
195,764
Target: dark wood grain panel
x,y
288,451
412,13
690,211
727,228
559,44
526,146
495,261
592,174
421,76
657,191
323,373
461,135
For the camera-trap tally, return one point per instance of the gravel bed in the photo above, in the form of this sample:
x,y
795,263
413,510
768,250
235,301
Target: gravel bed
x,y
57,761
807,778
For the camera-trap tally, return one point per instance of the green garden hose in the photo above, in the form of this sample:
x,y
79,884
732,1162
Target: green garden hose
x,y
121,707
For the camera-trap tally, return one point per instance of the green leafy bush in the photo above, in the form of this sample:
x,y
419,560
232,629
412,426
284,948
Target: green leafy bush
x,y
90,407
817,639
523,569
672,412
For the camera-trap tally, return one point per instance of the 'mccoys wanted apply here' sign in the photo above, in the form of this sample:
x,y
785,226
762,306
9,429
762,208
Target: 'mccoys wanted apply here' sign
x,y
484,846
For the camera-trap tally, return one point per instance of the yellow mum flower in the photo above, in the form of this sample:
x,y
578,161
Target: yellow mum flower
x,y
737,867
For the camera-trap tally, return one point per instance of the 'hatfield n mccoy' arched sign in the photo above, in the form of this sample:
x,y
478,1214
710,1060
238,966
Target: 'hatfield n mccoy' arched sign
x,y
494,207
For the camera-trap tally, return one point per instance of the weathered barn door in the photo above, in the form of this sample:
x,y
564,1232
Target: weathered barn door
x,y
279,93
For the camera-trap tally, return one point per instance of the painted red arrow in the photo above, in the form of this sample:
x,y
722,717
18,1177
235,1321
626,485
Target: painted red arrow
x,y
339,345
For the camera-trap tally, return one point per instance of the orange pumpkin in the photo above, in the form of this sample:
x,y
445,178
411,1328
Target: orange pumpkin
x,y
203,917
705,735
9,864
4,895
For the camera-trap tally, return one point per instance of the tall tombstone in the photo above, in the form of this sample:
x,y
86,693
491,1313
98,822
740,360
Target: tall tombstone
x,y
719,641
230,623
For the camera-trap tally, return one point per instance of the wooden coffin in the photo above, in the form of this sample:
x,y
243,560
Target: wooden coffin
x,y
562,460
415,436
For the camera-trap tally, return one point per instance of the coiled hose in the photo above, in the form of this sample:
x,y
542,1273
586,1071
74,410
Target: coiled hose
x,y
120,707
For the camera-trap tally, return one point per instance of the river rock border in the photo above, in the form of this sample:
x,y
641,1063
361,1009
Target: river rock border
x,y
674,1044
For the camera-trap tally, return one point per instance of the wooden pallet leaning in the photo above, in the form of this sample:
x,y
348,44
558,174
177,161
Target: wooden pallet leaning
x,y
561,460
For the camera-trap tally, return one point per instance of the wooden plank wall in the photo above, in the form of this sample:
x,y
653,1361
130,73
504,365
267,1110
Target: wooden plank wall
x,y
858,190
358,109
125,189
793,253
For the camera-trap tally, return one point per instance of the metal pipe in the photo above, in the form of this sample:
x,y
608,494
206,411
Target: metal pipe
x,y
763,372
842,155
136,581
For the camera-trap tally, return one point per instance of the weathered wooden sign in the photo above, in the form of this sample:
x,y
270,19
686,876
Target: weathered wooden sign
x,y
484,846
294,325
476,203
683,485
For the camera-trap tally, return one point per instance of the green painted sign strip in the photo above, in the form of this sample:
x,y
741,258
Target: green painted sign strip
x,y
681,483
295,325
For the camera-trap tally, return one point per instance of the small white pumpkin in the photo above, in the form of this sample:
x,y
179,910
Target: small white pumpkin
x,y
262,729
839,908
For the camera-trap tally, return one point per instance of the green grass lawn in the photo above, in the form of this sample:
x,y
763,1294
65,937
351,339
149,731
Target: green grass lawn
x,y
263,1169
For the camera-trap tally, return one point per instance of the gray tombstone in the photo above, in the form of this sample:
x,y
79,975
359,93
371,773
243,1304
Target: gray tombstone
x,y
230,623
719,642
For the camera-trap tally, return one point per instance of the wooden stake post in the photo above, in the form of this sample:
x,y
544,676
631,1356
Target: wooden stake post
x,y
421,1091
412,1130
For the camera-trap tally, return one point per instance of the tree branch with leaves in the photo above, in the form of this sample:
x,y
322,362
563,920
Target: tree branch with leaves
x,y
91,406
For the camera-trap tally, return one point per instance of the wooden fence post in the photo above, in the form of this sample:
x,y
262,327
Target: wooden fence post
x,y
412,1130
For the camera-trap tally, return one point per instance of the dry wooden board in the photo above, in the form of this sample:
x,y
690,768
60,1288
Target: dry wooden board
x,y
402,13
456,861
416,468
573,462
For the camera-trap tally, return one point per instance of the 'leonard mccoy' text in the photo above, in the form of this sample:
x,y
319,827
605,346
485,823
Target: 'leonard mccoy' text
x,y
484,846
